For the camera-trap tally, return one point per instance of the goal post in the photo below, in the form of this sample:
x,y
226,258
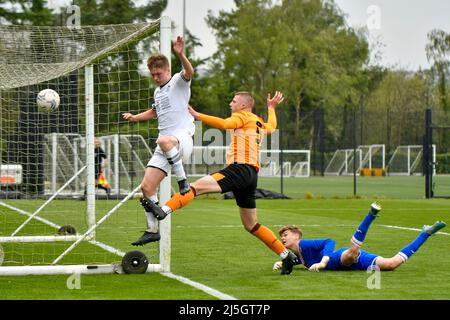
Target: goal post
x,y
408,160
207,159
367,156
48,167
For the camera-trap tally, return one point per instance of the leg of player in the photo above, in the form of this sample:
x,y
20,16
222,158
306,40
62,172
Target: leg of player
x,y
250,223
206,184
149,185
361,231
350,256
170,146
405,253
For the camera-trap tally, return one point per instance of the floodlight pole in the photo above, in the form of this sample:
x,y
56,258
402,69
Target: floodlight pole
x,y
354,153
427,150
281,155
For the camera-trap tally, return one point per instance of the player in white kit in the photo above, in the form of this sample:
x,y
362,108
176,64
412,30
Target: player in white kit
x,y
176,128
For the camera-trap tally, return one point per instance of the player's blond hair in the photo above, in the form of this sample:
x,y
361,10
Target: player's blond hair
x,y
248,97
291,228
158,61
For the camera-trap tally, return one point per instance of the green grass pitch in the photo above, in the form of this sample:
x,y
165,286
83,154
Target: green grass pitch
x,y
210,246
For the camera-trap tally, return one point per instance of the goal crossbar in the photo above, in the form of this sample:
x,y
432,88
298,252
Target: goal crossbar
x,y
14,74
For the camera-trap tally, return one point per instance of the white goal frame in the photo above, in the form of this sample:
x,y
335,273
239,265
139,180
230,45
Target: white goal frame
x,y
89,235
270,161
411,161
364,156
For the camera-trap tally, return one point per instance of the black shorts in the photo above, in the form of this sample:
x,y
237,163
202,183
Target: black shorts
x,y
241,179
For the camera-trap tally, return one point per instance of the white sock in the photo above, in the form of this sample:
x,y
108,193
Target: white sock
x,y
175,160
152,222
284,254
166,209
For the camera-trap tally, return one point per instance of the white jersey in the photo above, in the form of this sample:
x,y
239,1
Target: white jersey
x,y
171,106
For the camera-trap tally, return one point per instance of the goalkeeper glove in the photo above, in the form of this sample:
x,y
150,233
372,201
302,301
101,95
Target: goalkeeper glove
x,y
277,265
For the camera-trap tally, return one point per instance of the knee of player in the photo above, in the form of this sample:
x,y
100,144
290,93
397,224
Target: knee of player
x,y
353,251
349,256
166,142
147,188
389,264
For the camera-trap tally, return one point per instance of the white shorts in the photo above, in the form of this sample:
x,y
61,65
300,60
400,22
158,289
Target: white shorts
x,y
185,147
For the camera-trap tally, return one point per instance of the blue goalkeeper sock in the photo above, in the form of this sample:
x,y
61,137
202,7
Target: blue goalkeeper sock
x,y
361,231
411,248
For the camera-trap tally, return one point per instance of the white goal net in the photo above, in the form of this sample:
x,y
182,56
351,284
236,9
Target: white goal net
x,y
274,162
407,160
344,161
58,214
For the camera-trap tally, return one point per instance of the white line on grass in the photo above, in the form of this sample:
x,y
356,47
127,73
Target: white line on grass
x,y
54,225
23,212
238,226
199,286
412,229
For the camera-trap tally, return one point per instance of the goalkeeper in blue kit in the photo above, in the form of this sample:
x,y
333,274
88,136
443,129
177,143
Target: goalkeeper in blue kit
x,y
320,254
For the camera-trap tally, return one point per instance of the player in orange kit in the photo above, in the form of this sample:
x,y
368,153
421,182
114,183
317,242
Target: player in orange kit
x,y
241,174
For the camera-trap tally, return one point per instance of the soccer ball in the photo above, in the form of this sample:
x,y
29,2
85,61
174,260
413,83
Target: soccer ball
x,y
48,100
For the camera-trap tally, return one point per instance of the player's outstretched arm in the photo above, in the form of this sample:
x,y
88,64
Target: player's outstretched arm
x,y
178,47
194,113
272,103
232,122
316,267
146,115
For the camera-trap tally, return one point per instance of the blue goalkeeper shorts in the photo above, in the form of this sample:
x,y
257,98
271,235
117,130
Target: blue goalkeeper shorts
x,y
364,261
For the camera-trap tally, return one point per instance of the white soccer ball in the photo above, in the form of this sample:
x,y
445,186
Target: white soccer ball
x,y
48,100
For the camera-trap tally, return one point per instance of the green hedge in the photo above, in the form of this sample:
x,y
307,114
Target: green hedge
x,y
443,163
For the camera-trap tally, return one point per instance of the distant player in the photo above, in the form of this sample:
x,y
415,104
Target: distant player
x,y
319,254
241,174
100,163
176,128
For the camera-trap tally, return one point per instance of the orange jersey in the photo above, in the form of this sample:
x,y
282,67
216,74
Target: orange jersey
x,y
247,134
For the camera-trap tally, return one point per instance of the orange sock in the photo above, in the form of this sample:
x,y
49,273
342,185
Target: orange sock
x,y
268,237
179,201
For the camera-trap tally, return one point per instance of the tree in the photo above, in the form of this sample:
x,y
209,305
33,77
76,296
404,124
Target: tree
x,y
119,83
438,52
33,12
303,48
95,12
395,109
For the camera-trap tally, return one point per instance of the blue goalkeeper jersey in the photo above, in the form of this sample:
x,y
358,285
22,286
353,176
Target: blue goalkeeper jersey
x,y
312,251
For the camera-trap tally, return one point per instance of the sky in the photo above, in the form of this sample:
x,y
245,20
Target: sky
x,y
400,25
